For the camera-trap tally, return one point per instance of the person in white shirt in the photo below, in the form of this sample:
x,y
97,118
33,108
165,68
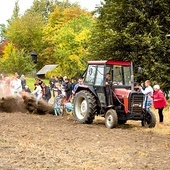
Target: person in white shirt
x,y
15,85
148,92
37,92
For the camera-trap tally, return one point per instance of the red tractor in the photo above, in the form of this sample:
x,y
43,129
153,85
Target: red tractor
x,y
112,97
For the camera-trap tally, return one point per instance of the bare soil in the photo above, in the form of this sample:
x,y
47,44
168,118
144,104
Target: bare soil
x,y
40,142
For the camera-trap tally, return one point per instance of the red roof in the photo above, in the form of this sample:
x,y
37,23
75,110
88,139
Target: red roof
x,y
110,62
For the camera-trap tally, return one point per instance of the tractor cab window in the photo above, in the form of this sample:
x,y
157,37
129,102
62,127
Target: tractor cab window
x,y
121,75
99,75
90,76
117,75
127,75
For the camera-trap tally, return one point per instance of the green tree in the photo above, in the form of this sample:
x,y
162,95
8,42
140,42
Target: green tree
x,y
46,7
34,32
16,11
71,46
14,60
135,30
62,15
26,32
43,7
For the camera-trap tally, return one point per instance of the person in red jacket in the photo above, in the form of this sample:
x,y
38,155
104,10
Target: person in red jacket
x,y
159,102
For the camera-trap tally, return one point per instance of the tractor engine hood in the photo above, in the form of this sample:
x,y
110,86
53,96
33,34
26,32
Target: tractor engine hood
x,y
122,93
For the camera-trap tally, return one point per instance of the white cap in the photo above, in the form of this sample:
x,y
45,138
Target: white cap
x,y
156,87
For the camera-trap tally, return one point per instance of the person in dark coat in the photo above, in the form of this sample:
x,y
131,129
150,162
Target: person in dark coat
x,y
52,84
67,87
52,81
46,92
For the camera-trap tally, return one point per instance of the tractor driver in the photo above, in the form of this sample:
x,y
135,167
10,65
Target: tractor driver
x,y
108,79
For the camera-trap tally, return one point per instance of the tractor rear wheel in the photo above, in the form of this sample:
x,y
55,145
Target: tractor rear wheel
x,y
84,107
111,119
149,119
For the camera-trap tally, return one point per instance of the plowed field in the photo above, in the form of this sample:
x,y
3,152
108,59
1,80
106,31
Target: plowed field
x,y
40,142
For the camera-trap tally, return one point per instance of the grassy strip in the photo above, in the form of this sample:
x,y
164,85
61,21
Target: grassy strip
x,y
31,80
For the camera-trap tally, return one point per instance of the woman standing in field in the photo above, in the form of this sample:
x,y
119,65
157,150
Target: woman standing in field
x,y
159,102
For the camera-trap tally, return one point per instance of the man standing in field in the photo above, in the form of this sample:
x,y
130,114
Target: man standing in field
x,y
148,92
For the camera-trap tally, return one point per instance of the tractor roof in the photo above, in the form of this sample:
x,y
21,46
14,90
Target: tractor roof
x,y
110,62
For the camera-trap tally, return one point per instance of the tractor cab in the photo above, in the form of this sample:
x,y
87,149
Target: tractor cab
x,y
121,77
120,72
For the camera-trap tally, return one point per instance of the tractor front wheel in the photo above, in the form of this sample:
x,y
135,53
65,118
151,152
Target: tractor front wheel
x,y
149,119
111,119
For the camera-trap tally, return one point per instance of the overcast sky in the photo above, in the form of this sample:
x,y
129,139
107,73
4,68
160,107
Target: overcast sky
x,y
7,6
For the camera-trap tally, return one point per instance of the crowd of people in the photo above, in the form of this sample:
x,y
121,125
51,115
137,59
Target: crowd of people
x,y
16,84
64,86
12,85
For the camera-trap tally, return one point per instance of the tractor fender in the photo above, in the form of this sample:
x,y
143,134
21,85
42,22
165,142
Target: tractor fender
x,y
85,87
